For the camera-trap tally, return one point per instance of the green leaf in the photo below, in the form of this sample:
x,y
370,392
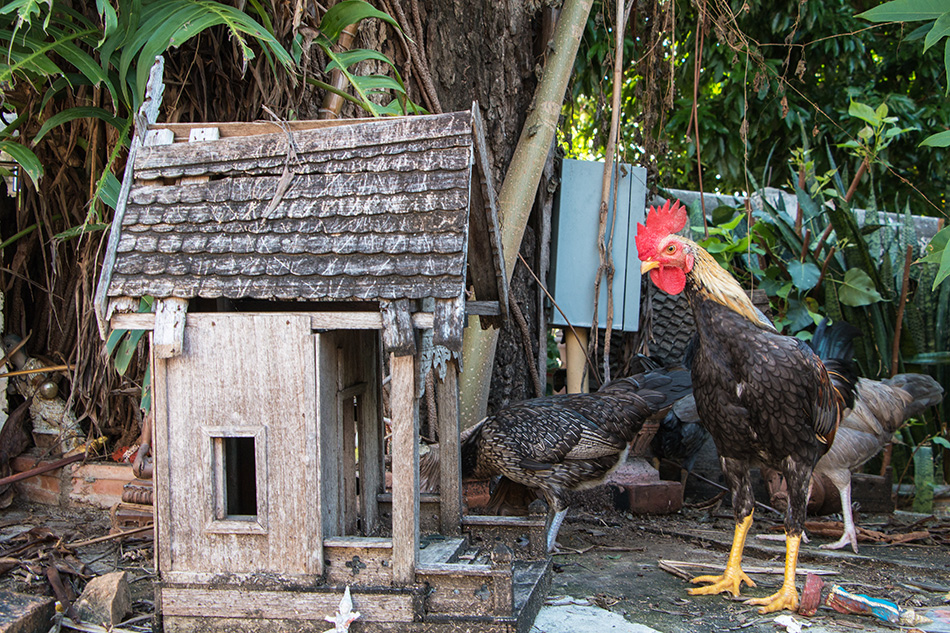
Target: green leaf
x,y
713,245
944,271
906,11
857,289
126,349
941,29
169,23
109,190
865,113
348,58
805,275
25,158
376,83
146,402
85,64
937,246
35,59
946,67
348,12
115,336
82,229
110,20
941,441
82,112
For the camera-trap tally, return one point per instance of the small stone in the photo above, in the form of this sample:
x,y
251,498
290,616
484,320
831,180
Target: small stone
x,y
106,600
20,613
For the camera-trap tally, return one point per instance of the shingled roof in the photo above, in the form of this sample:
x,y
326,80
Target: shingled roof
x,y
364,211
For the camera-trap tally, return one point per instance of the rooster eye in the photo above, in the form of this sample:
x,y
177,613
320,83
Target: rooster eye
x,y
671,249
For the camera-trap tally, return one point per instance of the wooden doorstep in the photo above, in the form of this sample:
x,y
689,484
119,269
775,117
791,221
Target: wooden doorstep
x,y
440,551
366,561
512,531
250,610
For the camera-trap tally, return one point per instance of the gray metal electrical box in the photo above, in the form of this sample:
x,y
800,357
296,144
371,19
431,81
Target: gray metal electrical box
x,y
575,259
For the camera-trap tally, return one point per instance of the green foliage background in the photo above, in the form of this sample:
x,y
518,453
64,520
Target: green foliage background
x,y
774,78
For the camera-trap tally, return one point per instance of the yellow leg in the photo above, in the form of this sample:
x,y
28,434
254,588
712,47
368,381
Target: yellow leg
x,y
733,577
787,596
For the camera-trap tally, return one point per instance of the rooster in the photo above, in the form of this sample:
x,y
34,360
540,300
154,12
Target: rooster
x,y
765,398
561,443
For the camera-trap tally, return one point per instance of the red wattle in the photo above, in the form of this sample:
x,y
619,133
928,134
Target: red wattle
x,y
669,279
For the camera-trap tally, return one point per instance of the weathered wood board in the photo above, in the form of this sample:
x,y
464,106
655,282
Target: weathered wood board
x,y
239,376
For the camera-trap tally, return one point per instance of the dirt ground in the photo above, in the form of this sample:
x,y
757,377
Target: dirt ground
x,y
35,537
608,558
615,564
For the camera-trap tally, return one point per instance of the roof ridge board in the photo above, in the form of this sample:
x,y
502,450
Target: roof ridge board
x,y
379,132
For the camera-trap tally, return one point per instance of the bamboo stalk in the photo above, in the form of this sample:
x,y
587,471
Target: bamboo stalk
x,y
332,102
39,370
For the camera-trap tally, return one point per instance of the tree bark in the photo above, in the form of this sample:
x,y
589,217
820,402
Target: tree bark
x,y
484,50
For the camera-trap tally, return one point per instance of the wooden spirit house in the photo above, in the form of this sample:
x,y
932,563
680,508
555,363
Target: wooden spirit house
x,y
295,268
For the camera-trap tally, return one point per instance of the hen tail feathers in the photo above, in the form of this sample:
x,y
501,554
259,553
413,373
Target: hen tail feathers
x,y
923,389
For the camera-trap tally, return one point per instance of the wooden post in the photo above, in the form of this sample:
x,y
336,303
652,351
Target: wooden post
x,y
168,335
576,359
405,465
161,502
450,475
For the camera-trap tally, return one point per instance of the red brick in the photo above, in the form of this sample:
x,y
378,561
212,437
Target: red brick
x,y
98,484
661,497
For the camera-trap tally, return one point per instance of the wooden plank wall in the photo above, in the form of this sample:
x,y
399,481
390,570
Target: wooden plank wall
x,y
239,372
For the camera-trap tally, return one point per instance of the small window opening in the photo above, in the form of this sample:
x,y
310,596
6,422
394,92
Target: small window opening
x,y
239,478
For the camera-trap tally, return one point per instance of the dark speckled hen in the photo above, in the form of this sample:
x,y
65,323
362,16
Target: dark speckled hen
x,y
568,442
765,398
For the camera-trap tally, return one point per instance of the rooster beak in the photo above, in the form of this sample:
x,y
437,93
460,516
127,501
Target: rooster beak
x,y
648,265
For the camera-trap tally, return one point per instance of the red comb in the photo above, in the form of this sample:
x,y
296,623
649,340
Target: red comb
x,y
668,219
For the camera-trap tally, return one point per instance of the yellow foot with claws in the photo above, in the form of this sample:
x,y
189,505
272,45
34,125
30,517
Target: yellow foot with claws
x,y
730,581
785,598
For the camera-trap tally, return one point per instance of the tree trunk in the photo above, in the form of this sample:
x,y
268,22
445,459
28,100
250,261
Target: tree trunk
x,y
485,51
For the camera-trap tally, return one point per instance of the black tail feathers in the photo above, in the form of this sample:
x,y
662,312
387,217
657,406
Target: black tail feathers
x,y
834,341
834,345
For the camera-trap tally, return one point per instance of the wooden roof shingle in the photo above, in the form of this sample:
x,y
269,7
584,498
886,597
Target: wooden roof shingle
x,y
365,211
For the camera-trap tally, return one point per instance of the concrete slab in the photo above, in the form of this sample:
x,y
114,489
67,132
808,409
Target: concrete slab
x,y
579,618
